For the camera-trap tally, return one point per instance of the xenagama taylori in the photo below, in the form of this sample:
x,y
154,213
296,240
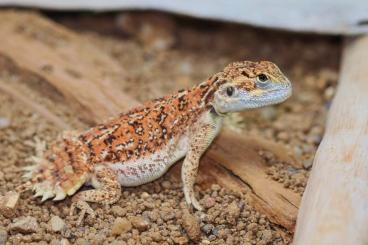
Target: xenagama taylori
x,y
139,146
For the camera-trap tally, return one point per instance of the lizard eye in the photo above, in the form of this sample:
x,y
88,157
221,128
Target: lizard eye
x,y
230,91
262,78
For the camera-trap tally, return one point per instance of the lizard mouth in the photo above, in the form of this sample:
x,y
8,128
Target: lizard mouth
x,y
274,96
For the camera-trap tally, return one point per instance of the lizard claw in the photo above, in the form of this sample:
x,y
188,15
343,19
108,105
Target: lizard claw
x,y
84,207
195,203
191,200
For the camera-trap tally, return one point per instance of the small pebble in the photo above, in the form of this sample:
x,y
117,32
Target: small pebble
x,y
24,225
64,242
81,241
121,225
215,187
209,202
329,93
269,113
166,184
266,235
4,122
3,236
156,236
180,240
145,195
8,204
207,229
307,163
118,211
233,211
191,225
140,223
57,224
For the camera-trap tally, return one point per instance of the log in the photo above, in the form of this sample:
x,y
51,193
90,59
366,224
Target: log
x,y
334,207
53,52
232,161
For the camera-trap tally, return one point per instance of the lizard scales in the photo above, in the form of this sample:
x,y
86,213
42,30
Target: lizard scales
x,y
140,145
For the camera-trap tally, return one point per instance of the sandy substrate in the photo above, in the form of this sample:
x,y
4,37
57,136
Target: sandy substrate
x,y
159,55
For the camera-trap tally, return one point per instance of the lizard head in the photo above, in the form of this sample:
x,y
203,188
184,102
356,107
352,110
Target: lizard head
x,y
246,85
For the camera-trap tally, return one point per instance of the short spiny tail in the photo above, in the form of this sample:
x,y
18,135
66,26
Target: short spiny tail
x,y
39,176
58,178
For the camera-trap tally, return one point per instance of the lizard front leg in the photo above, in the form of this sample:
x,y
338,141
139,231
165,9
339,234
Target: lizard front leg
x,y
108,191
201,136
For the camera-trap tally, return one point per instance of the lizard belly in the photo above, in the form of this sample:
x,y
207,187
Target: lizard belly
x,y
149,168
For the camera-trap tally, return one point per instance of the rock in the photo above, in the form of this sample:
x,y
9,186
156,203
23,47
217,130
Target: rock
x,y
207,229
329,93
233,211
4,122
57,224
166,184
217,229
3,236
307,163
252,227
191,225
215,187
64,242
209,202
81,241
118,211
180,240
121,225
284,136
145,195
156,236
140,223
8,204
24,225
266,235
60,242
269,113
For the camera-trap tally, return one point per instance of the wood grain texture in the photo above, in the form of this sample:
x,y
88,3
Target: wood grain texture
x,y
54,53
334,207
65,61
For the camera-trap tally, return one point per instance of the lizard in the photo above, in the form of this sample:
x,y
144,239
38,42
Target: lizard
x,y
139,146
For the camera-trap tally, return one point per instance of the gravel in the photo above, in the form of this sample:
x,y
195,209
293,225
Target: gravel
x,y
24,225
3,236
57,224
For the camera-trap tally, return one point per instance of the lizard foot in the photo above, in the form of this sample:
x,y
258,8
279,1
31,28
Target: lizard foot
x,y
84,207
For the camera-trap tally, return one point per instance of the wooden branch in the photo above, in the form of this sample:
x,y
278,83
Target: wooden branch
x,y
232,160
54,53
21,97
334,205
239,155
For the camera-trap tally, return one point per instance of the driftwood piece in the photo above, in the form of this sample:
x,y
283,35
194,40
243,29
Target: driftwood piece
x,y
334,205
232,160
36,107
54,53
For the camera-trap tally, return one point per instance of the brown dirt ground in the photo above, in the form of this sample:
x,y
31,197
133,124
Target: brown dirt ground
x,y
160,54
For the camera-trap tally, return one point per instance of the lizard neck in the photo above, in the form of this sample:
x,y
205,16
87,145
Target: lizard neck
x,y
202,94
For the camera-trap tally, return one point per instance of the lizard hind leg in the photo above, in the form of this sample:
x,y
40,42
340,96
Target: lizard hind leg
x,y
107,191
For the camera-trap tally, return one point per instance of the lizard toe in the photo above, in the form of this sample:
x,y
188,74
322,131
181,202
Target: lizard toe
x,y
85,209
